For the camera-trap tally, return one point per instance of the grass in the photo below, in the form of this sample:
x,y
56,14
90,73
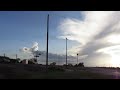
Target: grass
x,y
64,75
70,75
21,71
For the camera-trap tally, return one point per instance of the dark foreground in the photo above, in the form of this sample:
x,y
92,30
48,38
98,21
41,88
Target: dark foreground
x,y
32,71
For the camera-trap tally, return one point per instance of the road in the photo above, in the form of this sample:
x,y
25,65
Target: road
x,y
107,71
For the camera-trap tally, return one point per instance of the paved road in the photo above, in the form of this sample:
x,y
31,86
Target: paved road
x,y
107,71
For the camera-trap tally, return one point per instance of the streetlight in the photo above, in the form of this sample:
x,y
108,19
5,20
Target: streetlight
x,y
47,41
16,56
37,55
4,54
77,58
66,51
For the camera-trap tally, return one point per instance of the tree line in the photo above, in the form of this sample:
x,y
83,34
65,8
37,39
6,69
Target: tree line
x,y
4,59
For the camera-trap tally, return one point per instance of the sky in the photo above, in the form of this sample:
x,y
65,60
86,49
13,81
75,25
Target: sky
x,y
22,28
94,35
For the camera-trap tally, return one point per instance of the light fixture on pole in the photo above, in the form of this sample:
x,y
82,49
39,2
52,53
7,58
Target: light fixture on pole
x,y
77,58
66,51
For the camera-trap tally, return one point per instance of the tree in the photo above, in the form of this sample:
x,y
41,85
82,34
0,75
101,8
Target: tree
x,y
14,61
69,64
30,62
79,65
18,59
64,65
53,63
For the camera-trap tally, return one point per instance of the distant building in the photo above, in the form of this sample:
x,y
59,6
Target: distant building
x,y
33,61
25,61
29,61
8,60
4,59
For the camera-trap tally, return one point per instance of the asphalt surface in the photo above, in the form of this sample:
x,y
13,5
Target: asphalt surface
x,y
106,71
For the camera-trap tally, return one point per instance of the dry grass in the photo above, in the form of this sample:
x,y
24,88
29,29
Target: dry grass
x,y
21,71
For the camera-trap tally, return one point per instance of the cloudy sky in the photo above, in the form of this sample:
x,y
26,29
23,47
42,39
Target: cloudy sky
x,y
94,35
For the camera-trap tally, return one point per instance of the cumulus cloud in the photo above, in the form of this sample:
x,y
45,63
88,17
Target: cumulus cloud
x,y
34,51
84,31
97,30
59,59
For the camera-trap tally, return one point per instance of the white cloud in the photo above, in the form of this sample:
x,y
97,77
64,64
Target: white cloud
x,y
84,31
98,29
74,50
110,50
114,38
33,50
114,51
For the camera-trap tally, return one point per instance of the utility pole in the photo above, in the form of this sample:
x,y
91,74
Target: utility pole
x,y
66,51
16,56
47,40
4,54
36,57
77,58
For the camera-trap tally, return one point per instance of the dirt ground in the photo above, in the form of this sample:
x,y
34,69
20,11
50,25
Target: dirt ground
x,y
32,71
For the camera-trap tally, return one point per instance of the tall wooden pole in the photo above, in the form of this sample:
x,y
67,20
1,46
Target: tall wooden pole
x,y
77,58
16,56
66,51
4,54
47,40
